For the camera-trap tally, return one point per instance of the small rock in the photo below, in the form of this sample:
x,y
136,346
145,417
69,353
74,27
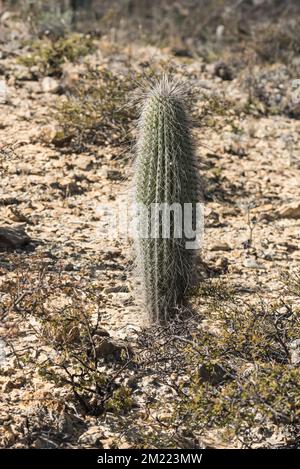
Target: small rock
x,y
92,437
7,386
114,175
221,247
252,263
236,145
220,31
3,92
50,85
84,163
222,70
13,238
21,73
6,16
51,133
2,352
18,216
10,384
294,347
110,350
291,210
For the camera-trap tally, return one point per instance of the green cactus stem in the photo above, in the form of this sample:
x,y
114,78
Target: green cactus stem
x,y
165,173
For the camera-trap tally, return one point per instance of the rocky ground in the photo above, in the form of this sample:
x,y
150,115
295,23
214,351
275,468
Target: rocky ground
x,y
250,165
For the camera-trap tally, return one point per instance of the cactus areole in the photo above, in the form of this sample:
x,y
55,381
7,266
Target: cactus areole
x,y
165,183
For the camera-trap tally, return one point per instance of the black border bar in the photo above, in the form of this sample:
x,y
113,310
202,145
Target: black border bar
x,y
206,458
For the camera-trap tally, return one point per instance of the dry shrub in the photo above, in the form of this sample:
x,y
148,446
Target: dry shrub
x,y
277,42
235,375
96,111
62,314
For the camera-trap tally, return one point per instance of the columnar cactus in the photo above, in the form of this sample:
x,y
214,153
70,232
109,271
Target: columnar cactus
x,y
165,173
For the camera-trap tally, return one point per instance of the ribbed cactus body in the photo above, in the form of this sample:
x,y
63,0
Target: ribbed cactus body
x,y
165,174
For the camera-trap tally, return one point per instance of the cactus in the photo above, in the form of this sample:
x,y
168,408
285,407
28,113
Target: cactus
x,y
165,173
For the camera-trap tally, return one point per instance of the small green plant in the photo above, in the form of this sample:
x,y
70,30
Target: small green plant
x,y
121,401
217,111
165,173
50,55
